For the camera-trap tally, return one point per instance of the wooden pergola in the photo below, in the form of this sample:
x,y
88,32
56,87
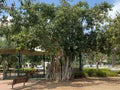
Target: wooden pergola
x,y
6,51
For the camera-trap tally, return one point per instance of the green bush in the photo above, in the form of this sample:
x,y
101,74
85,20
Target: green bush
x,y
109,73
90,72
118,72
78,74
26,70
1,66
101,73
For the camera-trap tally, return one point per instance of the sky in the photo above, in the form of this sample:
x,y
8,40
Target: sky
x,y
56,2
115,3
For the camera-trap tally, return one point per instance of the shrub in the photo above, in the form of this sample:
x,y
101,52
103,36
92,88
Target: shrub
x,y
101,73
78,74
1,66
118,72
109,73
90,72
26,70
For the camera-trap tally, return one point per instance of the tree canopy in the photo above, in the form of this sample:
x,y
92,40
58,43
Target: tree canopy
x,y
66,31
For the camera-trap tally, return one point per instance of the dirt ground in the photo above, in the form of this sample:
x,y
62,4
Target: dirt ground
x,y
78,84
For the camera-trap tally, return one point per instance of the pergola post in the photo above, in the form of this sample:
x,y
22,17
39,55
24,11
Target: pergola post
x,y
80,62
4,68
44,63
18,71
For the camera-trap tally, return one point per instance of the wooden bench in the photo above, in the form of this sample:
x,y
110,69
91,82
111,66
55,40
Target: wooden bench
x,y
28,74
20,80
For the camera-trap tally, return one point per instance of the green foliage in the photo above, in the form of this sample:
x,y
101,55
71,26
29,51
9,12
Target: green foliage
x,y
90,72
54,27
3,43
118,72
27,70
79,74
94,73
113,34
2,4
58,29
100,72
1,66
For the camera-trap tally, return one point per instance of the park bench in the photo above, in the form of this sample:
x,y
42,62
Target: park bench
x,y
28,74
20,80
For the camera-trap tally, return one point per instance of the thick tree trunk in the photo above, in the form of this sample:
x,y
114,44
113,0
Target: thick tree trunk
x,y
58,73
97,65
67,71
50,71
4,69
113,60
